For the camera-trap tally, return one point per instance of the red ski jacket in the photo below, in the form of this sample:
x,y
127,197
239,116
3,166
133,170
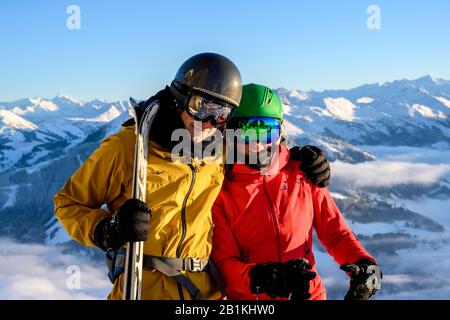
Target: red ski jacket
x,y
260,218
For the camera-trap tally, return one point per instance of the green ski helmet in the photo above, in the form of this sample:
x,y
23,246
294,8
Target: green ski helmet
x,y
259,101
260,115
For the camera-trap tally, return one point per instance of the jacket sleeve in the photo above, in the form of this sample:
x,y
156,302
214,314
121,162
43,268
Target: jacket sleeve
x,y
226,255
97,182
332,230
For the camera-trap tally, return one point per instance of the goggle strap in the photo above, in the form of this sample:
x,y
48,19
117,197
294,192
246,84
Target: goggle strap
x,y
217,96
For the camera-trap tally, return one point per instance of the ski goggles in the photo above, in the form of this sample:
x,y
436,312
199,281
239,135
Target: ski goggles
x,y
204,109
256,129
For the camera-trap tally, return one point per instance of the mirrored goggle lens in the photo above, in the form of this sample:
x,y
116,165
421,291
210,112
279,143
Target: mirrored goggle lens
x,y
264,130
204,109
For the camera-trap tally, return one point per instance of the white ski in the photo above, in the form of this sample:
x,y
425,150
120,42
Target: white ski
x,y
132,281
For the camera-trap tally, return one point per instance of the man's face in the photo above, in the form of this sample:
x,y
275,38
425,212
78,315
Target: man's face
x,y
256,153
198,130
252,148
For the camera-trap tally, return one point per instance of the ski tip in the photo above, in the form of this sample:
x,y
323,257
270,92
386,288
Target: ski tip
x,y
133,102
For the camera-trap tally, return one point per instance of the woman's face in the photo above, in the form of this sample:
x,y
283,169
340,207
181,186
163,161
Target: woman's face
x,y
253,147
255,153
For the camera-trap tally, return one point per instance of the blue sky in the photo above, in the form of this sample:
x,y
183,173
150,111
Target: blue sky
x,y
133,48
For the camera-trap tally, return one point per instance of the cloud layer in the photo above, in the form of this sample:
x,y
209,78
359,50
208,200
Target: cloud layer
x,y
31,271
388,173
413,275
40,272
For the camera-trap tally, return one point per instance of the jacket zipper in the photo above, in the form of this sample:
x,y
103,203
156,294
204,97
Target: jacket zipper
x,y
183,221
275,221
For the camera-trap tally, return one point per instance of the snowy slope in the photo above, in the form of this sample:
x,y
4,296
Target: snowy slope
x,y
411,113
31,129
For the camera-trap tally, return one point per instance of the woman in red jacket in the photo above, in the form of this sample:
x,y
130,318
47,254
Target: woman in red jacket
x,y
267,209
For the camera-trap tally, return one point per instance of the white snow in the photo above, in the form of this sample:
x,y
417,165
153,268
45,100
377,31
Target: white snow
x,y
337,195
35,101
299,95
423,90
291,129
62,118
11,156
48,105
287,109
340,108
442,115
62,96
444,101
18,110
422,110
433,77
15,121
34,105
107,116
365,100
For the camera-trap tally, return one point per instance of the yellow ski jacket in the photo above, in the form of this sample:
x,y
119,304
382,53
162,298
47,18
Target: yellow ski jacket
x,y
180,196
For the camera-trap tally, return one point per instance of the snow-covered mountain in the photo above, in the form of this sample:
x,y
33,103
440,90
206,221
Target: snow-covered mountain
x,y
42,142
399,113
35,130
389,143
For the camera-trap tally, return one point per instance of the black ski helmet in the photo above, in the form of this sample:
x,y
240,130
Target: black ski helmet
x,y
209,74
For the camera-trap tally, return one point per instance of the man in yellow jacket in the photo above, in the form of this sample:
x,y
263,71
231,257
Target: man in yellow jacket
x,y
176,224
180,195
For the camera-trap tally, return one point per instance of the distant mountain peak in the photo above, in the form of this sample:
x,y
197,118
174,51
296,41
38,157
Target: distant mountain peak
x,y
66,97
300,95
433,77
429,78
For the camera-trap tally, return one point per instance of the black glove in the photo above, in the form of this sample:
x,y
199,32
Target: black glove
x,y
365,279
314,164
298,275
290,279
268,278
130,223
